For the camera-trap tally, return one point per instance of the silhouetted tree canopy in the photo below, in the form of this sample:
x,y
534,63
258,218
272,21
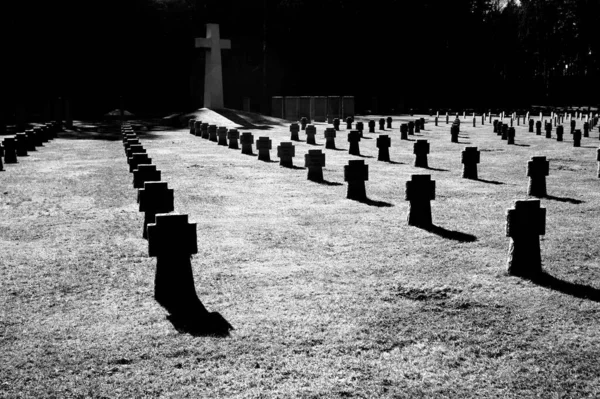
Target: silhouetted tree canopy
x,y
425,53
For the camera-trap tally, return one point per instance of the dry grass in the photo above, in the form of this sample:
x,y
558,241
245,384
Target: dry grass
x,y
330,298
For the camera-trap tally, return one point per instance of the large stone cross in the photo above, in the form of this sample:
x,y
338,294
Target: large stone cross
x,y
213,74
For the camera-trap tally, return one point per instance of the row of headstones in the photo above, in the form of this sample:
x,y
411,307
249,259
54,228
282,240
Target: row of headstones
x,y
508,133
23,142
420,191
171,239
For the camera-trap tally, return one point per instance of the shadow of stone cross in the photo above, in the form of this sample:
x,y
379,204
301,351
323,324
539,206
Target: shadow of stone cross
x,y
172,240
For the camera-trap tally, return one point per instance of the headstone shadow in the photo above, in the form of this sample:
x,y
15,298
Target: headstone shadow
x,y
521,145
489,181
564,199
268,161
364,156
293,167
336,149
212,325
450,234
370,202
329,183
395,163
436,169
573,289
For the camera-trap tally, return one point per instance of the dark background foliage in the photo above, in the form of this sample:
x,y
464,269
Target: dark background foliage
x,y
419,54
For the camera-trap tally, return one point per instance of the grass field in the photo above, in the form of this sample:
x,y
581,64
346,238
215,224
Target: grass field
x,y
329,297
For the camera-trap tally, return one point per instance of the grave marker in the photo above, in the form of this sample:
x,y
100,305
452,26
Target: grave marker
x,y
354,139
510,135
138,158
559,133
548,128
212,132
404,131
411,128
420,191
586,129
538,128
360,127
315,162
349,121
21,144
30,140
10,150
524,224
381,124
247,140
577,138
383,143
222,135
531,122
213,73
311,132
330,138
371,126
454,130
286,152
356,173
389,122
191,126
421,149
263,146
303,123
470,158
204,131
537,170
233,135
134,148
336,124
155,197
143,174
294,130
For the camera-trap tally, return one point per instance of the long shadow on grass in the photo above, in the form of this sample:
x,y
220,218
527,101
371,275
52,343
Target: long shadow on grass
x,y
489,181
564,199
450,234
521,145
329,183
370,202
293,167
573,289
364,156
437,169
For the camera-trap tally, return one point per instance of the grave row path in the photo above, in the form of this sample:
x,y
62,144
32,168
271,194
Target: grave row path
x,y
318,287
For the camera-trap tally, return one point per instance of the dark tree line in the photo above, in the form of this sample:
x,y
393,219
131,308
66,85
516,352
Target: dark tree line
x,y
419,54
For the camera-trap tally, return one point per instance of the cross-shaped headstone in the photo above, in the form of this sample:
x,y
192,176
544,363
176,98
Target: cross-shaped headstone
x,y
204,130
559,132
354,139
21,140
356,173
246,140
173,241
133,148
470,158
138,158
389,121
349,121
330,138
510,135
263,146
336,123
411,128
381,123
421,149
577,138
233,136
404,131
197,130
303,122
155,197
285,152
420,191
30,140
212,132
294,130
360,127
371,126
131,142
537,170
315,162
311,132
213,73
10,150
524,224
143,174
383,143
222,135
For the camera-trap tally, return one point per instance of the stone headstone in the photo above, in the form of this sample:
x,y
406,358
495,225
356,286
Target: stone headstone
x,y
212,133
420,191
573,123
371,125
145,173
559,132
155,197
336,123
577,138
411,128
246,140
531,123
10,150
30,140
548,129
263,146
381,123
510,135
504,131
213,73
421,149
138,158
196,130
384,143
537,170
191,123
315,162
233,136
354,139
222,135
286,152
454,130
303,123
356,173
524,224
389,121
349,121
134,148
204,130
21,144
404,131
470,159
311,132
295,130
586,129
330,138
